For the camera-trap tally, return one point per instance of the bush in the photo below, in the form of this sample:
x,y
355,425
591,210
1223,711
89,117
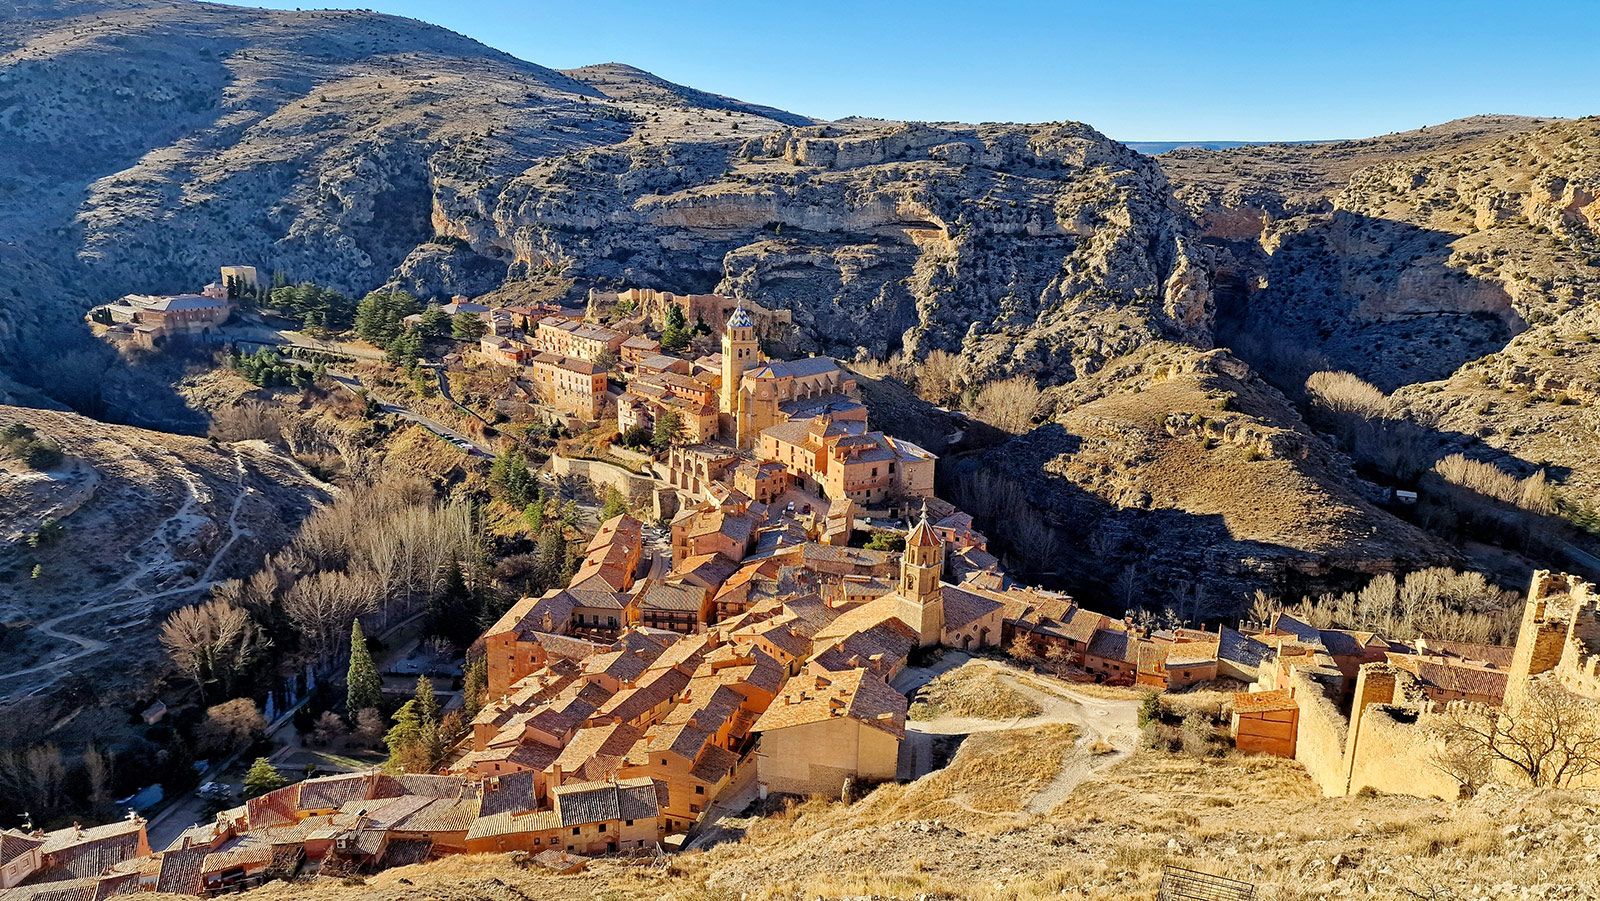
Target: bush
x,y
20,442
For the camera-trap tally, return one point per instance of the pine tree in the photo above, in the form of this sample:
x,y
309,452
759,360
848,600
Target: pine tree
x,y
262,778
363,689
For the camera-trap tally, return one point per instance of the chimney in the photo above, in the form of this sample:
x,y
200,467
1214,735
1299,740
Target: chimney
x,y
555,775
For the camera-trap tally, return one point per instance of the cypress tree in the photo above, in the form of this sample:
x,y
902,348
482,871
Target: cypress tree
x,y
363,689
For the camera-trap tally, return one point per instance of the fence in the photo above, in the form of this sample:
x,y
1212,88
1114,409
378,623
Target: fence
x,y
1180,884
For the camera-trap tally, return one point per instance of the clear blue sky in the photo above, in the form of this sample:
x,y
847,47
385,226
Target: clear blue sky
x,y
1135,69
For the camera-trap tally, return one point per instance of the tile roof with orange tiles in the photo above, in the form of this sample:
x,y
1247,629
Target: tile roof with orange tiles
x,y
814,697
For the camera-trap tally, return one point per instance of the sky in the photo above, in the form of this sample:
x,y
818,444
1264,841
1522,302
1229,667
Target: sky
x,y
1137,70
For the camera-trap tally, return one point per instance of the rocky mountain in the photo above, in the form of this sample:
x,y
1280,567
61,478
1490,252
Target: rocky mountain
x,y
1456,266
142,143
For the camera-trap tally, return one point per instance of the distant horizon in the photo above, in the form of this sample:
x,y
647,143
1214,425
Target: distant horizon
x,y
1259,71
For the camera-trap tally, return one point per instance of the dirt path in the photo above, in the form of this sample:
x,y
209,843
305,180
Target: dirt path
x,y
163,557
1101,724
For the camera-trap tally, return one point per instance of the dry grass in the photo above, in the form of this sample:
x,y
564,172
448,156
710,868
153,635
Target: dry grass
x,y
972,692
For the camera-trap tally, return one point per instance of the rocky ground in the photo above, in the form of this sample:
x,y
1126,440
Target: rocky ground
x,y
150,521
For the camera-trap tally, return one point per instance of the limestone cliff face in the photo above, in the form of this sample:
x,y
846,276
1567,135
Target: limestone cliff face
x,y
1041,250
1458,266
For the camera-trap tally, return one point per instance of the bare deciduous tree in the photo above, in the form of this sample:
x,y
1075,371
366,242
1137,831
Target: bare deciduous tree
x,y
1549,735
1009,404
213,642
232,725
321,607
938,376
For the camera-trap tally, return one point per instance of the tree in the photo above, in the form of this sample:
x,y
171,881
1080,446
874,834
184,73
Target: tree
x,y
614,504
1022,647
231,726
213,643
435,324
263,777
329,729
475,687
380,316
675,334
363,688
512,479
668,430
319,605
369,728
467,327
938,376
1549,735
1008,404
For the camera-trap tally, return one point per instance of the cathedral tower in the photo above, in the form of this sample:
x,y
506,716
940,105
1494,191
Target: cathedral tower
x,y
739,352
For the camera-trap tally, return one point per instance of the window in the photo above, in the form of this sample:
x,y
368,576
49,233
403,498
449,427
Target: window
x,y
699,789
694,808
627,822
602,827
574,830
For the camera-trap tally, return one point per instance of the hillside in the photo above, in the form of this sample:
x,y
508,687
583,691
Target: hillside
x,y
962,833
149,521
142,143
1458,265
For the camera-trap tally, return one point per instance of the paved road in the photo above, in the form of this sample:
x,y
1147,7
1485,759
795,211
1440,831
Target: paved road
x,y
470,445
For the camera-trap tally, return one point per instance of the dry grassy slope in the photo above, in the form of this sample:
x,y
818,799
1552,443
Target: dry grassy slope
x,y
1463,269
1259,819
1192,471
149,517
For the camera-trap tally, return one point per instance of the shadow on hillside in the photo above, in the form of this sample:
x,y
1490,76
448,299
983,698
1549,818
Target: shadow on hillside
x,y
1371,296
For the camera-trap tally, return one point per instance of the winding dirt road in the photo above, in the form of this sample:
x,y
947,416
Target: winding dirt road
x,y
1110,727
161,558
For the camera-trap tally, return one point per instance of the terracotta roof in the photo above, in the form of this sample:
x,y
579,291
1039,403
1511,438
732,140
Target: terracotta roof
x,y
1263,701
1186,653
440,815
814,697
923,534
963,607
663,596
1463,679
1114,644
499,824
14,844
879,648
511,793
333,791
80,852
180,871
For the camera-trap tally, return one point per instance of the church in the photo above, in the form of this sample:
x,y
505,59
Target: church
x,y
938,612
758,393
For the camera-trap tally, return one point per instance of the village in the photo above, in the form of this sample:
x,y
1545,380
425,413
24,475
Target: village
x,y
760,653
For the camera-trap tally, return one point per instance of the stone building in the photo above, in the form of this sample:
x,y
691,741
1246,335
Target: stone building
x,y
827,728
573,386
576,338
